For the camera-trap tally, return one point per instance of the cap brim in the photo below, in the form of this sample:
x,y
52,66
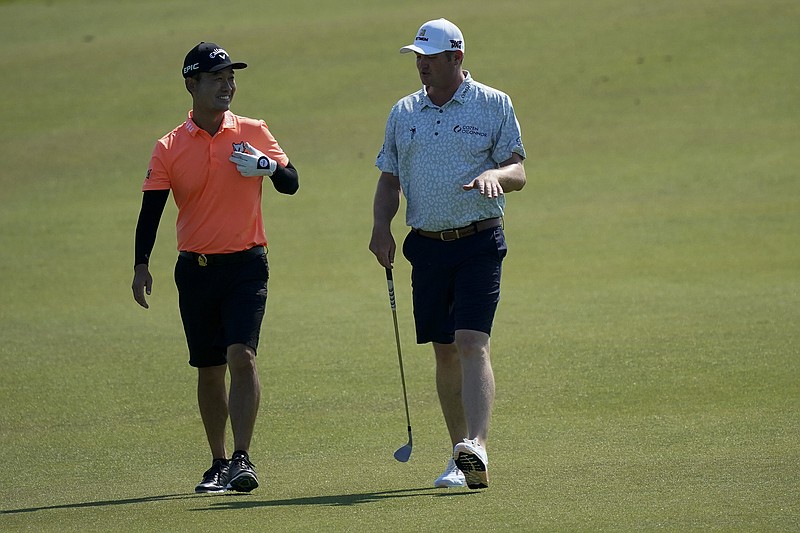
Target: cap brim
x,y
229,65
424,50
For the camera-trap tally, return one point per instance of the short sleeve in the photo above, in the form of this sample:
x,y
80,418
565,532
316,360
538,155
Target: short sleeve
x,y
269,145
509,140
387,157
157,177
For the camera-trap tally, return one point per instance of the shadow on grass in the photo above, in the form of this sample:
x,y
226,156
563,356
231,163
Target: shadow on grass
x,y
101,503
237,501
332,500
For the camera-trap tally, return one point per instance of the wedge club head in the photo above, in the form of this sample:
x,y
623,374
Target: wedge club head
x,y
403,453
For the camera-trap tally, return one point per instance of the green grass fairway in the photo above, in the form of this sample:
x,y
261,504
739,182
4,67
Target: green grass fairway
x,y
646,348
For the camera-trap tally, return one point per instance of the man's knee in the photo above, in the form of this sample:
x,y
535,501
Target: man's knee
x,y
445,353
472,343
241,358
211,375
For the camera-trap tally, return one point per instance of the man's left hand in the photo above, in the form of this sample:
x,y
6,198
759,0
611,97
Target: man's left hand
x,y
488,186
252,162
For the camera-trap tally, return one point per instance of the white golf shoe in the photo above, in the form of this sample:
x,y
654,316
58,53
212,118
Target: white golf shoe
x,y
451,477
471,459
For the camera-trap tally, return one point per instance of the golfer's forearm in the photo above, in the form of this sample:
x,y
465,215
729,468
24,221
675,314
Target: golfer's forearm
x,y
513,183
285,179
511,177
387,201
510,174
153,203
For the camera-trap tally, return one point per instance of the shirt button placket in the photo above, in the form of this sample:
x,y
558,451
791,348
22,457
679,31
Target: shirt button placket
x,y
212,161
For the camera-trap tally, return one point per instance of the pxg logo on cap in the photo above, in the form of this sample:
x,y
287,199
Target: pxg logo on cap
x,y
436,36
207,57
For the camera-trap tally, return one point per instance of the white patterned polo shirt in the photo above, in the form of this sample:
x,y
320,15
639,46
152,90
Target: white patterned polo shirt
x,y
436,150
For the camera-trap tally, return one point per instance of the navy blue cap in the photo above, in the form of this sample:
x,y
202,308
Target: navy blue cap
x,y
207,57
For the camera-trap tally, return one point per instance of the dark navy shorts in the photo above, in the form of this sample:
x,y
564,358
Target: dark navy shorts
x,y
455,284
221,305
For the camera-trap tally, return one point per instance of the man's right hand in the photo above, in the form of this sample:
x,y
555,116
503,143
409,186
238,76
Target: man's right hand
x,y
383,246
252,162
142,284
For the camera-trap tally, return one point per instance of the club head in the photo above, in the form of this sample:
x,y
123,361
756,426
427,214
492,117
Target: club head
x,y
403,453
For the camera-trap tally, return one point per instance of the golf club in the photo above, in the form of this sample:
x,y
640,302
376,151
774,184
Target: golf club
x,y
403,453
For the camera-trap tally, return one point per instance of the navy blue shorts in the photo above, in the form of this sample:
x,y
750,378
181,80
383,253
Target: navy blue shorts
x,y
455,284
221,305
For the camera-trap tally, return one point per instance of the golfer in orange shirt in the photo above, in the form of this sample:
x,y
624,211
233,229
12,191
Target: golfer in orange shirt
x,y
214,164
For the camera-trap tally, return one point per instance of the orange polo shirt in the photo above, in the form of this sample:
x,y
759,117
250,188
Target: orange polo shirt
x,y
219,210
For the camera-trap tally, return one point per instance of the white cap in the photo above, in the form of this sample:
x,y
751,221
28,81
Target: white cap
x,y
436,36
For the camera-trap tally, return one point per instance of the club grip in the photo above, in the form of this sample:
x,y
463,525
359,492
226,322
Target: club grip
x,y
390,284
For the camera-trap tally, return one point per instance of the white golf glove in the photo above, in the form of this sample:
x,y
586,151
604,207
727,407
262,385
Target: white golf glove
x,y
254,163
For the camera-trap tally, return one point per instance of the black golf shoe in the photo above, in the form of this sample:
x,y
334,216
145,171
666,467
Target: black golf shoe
x,y
242,475
215,478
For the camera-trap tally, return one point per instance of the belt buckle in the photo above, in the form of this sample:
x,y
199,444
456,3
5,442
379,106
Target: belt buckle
x,y
453,232
202,260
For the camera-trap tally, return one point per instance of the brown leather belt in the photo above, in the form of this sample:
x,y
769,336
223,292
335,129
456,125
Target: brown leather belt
x,y
466,231
224,259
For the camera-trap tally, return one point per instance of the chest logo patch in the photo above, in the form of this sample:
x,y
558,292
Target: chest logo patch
x,y
469,130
